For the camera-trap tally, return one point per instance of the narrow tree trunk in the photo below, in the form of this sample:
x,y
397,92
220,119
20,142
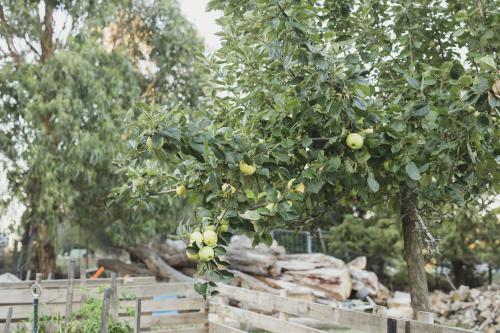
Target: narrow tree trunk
x,y
417,279
48,30
45,252
457,267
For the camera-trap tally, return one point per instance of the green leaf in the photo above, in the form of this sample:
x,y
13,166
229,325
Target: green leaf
x,y
412,171
488,61
333,163
251,215
172,133
421,110
412,82
372,182
315,185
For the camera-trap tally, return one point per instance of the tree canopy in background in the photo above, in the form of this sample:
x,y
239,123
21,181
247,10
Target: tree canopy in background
x,y
65,94
313,105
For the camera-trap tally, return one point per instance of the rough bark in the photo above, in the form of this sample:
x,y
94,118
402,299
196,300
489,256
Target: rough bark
x,y
45,252
48,31
417,279
123,268
157,265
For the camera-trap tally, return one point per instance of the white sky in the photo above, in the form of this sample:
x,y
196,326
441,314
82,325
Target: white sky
x,y
204,21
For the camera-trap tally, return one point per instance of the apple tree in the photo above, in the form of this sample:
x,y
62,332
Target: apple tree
x,y
314,105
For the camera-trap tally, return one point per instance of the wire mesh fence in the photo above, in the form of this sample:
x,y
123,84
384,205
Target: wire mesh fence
x,y
302,242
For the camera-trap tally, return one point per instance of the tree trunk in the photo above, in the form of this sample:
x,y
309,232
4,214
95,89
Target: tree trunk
x,y
417,279
45,252
48,30
457,267
123,268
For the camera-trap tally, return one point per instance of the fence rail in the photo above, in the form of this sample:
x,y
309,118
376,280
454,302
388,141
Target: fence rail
x,y
180,309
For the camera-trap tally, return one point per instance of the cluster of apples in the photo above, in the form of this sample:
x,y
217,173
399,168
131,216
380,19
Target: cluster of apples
x,y
201,244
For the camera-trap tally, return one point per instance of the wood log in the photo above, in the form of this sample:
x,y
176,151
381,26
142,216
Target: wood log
x,y
174,253
123,268
253,283
157,265
335,282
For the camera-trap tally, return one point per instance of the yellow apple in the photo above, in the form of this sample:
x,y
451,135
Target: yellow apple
x,y
181,190
210,237
206,253
246,169
192,255
354,141
196,237
228,189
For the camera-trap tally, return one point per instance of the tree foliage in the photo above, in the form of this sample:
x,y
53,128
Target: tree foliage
x,y
416,80
65,95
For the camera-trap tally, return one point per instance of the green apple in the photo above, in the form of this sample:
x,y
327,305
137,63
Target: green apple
x,y
181,190
210,237
206,253
224,227
228,189
246,169
355,141
192,254
196,237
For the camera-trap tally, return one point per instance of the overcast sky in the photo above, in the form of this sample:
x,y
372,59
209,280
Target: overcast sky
x,y
195,12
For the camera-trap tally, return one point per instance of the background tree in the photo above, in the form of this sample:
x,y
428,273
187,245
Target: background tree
x,y
65,95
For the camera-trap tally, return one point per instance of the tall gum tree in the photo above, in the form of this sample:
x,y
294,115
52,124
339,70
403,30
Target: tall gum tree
x,y
65,94
417,81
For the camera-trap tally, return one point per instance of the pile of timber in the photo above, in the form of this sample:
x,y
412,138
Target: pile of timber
x,y
313,277
476,309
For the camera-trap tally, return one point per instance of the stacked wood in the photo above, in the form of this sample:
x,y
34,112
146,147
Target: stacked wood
x,y
115,265
260,260
267,268
477,309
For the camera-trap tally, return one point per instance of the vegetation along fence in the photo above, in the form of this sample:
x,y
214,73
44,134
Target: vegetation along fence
x,y
145,305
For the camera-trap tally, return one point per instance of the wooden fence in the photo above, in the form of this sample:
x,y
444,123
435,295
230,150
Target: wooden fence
x,y
175,307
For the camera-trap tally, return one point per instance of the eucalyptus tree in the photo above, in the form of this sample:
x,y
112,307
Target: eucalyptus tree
x,y
314,105
70,72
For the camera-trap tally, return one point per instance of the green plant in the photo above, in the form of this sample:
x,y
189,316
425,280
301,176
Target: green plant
x,y
87,319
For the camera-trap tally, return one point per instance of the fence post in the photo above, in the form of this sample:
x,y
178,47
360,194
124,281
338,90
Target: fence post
x,y
308,243
379,310
69,292
244,306
114,297
28,275
426,317
138,316
49,276
83,282
105,311
283,315
8,319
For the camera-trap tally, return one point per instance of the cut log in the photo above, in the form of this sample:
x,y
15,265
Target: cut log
x,y
335,282
174,253
259,260
253,283
157,265
316,259
123,268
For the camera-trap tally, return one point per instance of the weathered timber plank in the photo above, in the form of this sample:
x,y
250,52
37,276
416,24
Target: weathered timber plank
x,y
63,283
182,330
168,320
174,304
19,296
215,327
264,322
